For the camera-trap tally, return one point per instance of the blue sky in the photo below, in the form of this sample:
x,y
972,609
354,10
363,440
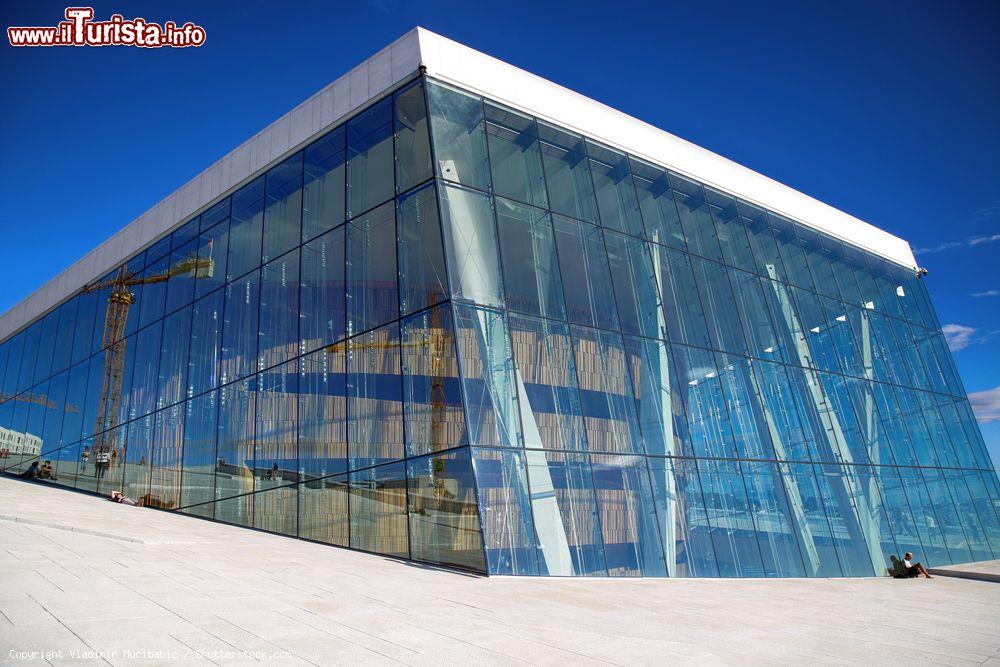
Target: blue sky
x,y
887,111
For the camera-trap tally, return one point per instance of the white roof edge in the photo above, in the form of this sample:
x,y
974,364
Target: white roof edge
x,y
452,62
447,60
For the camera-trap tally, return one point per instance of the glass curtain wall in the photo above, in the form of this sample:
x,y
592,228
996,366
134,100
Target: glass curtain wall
x,y
661,379
448,331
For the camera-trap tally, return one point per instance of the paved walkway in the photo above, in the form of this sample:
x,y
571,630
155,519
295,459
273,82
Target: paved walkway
x,y
139,586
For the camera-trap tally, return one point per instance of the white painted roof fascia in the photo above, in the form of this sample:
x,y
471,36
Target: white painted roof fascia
x,y
467,68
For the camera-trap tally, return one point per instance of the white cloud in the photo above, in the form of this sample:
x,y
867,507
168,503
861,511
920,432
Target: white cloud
x,y
989,292
958,336
986,405
970,242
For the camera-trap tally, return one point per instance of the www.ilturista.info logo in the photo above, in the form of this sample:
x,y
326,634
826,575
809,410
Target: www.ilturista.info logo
x,y
79,29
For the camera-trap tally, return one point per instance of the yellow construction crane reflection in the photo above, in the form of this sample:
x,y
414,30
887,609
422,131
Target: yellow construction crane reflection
x,y
119,302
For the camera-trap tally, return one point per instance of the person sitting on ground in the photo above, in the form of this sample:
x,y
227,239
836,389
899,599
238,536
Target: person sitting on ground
x,y
31,472
898,570
47,471
914,569
119,497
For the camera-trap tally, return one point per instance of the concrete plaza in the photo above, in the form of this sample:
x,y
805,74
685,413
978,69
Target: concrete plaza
x,y
88,581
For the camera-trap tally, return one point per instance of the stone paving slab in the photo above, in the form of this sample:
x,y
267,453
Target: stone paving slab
x,y
130,586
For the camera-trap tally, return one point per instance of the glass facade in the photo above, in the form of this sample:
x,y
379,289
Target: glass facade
x,y
451,332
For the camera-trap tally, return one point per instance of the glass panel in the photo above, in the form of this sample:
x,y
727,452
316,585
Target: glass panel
x,y
213,249
565,513
731,520
246,229
206,343
413,152
634,283
216,214
182,275
546,379
234,459
585,274
488,378
323,510
458,128
628,517
322,419
433,408
378,510
16,356
925,518
681,303
699,229
145,376
283,209
985,506
605,391
777,518
82,337
567,173
818,546
616,199
849,536
152,303
680,512
709,428
444,517
471,242
279,310
322,307
138,450
54,406
200,416
26,377
167,451
369,158
973,522
76,394
661,420
746,407
789,431
173,365
751,304
530,263
719,306
276,511
372,290
506,511
64,337
514,155
237,510
239,332
375,397
46,345
948,515
656,202
905,529
731,230
422,278
324,188
276,435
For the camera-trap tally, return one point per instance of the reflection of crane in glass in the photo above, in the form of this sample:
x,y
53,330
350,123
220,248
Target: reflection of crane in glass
x,y
435,340
37,399
120,300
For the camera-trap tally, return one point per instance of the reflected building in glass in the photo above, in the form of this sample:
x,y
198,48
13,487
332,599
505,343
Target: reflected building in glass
x,y
447,311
